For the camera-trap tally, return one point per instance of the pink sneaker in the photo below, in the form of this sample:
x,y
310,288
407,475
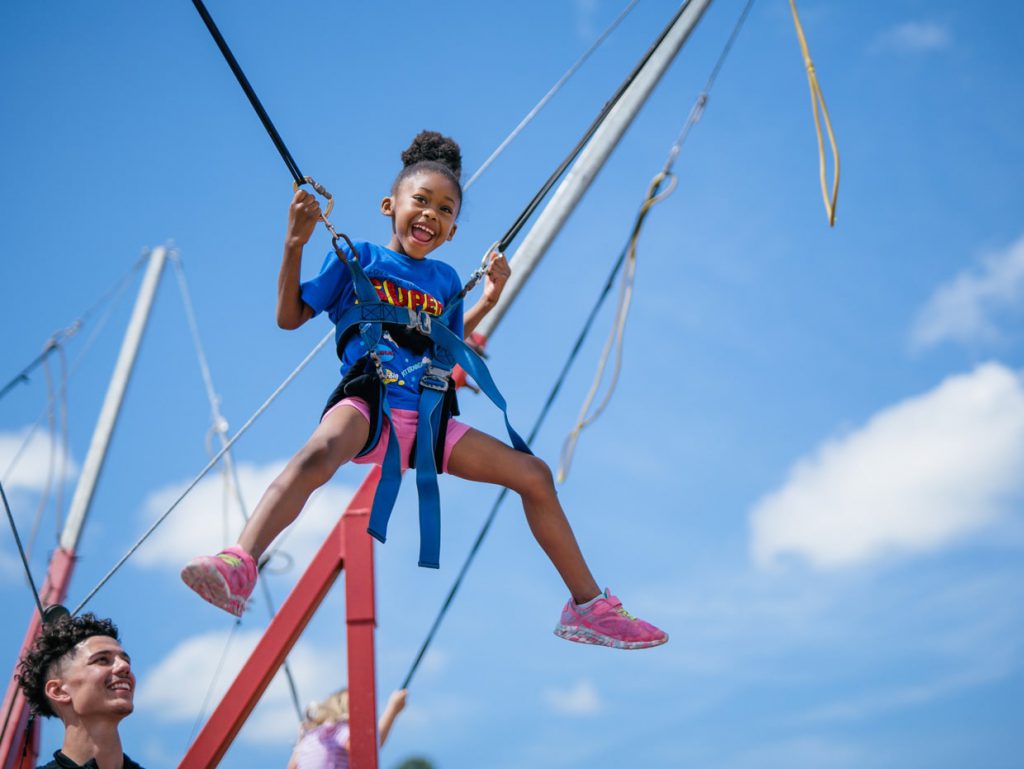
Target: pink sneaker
x,y
225,579
606,623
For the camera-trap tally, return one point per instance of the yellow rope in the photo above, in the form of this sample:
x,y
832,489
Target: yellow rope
x,y
618,328
818,99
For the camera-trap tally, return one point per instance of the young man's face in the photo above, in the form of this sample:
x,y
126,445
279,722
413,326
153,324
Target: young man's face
x,y
95,679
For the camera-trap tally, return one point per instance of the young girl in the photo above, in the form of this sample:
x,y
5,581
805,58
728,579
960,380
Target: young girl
x,y
423,208
323,737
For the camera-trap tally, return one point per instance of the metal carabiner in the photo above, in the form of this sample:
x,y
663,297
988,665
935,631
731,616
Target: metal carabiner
x,y
480,271
321,191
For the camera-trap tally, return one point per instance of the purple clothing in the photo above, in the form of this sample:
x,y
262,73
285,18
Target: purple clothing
x,y
323,747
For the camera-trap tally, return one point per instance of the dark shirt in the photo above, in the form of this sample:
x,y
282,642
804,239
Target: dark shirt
x,y
60,761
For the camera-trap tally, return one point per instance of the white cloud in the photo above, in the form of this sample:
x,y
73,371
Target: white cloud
x,y
174,690
963,309
918,475
198,526
579,700
32,459
914,37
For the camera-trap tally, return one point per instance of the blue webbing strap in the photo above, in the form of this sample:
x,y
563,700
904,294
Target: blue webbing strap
x,y
427,428
390,480
474,365
445,340
369,315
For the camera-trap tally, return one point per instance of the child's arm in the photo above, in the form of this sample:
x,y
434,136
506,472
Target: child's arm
x,y
396,703
498,273
303,214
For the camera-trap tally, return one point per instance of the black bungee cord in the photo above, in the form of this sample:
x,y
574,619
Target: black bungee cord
x,y
21,551
46,614
268,124
520,221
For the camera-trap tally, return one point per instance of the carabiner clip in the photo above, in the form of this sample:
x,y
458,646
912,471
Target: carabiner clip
x,y
321,191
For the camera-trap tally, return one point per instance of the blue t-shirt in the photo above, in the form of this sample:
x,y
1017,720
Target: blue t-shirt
x,y
421,284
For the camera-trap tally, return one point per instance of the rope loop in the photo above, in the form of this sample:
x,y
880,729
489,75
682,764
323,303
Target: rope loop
x,y
614,342
818,103
655,194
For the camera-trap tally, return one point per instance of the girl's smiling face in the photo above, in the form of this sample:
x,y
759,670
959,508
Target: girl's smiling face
x,y
423,211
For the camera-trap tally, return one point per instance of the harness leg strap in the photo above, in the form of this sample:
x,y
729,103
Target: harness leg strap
x,y
390,480
428,423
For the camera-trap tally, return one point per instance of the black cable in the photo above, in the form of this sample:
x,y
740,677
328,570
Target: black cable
x,y
520,222
523,217
21,550
243,81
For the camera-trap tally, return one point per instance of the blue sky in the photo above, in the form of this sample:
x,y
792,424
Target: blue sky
x,y
810,473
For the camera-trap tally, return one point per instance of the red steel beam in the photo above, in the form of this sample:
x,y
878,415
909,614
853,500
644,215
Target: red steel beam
x,y
348,537
361,619
14,753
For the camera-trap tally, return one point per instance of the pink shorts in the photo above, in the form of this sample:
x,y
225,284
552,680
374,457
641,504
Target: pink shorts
x,y
405,426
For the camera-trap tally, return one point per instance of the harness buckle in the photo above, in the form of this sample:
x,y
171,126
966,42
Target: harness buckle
x,y
419,320
435,378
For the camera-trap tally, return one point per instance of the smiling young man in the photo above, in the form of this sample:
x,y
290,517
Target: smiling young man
x,y
77,671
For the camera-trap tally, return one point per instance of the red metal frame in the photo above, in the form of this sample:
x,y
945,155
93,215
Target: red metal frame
x,y
347,546
14,753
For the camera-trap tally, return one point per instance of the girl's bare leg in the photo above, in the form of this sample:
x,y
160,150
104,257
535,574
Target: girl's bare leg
x,y
338,438
479,457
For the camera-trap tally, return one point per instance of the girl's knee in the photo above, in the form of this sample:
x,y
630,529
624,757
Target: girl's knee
x,y
536,478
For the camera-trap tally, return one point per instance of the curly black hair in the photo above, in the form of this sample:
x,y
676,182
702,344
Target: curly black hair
x,y
56,640
430,150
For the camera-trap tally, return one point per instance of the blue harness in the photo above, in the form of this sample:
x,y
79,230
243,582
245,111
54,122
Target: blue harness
x,y
369,315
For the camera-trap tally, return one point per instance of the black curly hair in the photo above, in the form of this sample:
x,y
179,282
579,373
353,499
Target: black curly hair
x,y
54,642
430,150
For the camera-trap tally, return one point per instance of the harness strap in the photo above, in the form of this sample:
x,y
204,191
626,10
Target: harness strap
x,y
464,355
434,383
370,315
390,480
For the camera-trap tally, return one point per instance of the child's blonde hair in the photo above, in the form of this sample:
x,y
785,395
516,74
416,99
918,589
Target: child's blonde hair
x,y
330,711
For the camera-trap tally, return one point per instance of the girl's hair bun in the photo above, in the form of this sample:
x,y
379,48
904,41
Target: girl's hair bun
x,y
432,146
